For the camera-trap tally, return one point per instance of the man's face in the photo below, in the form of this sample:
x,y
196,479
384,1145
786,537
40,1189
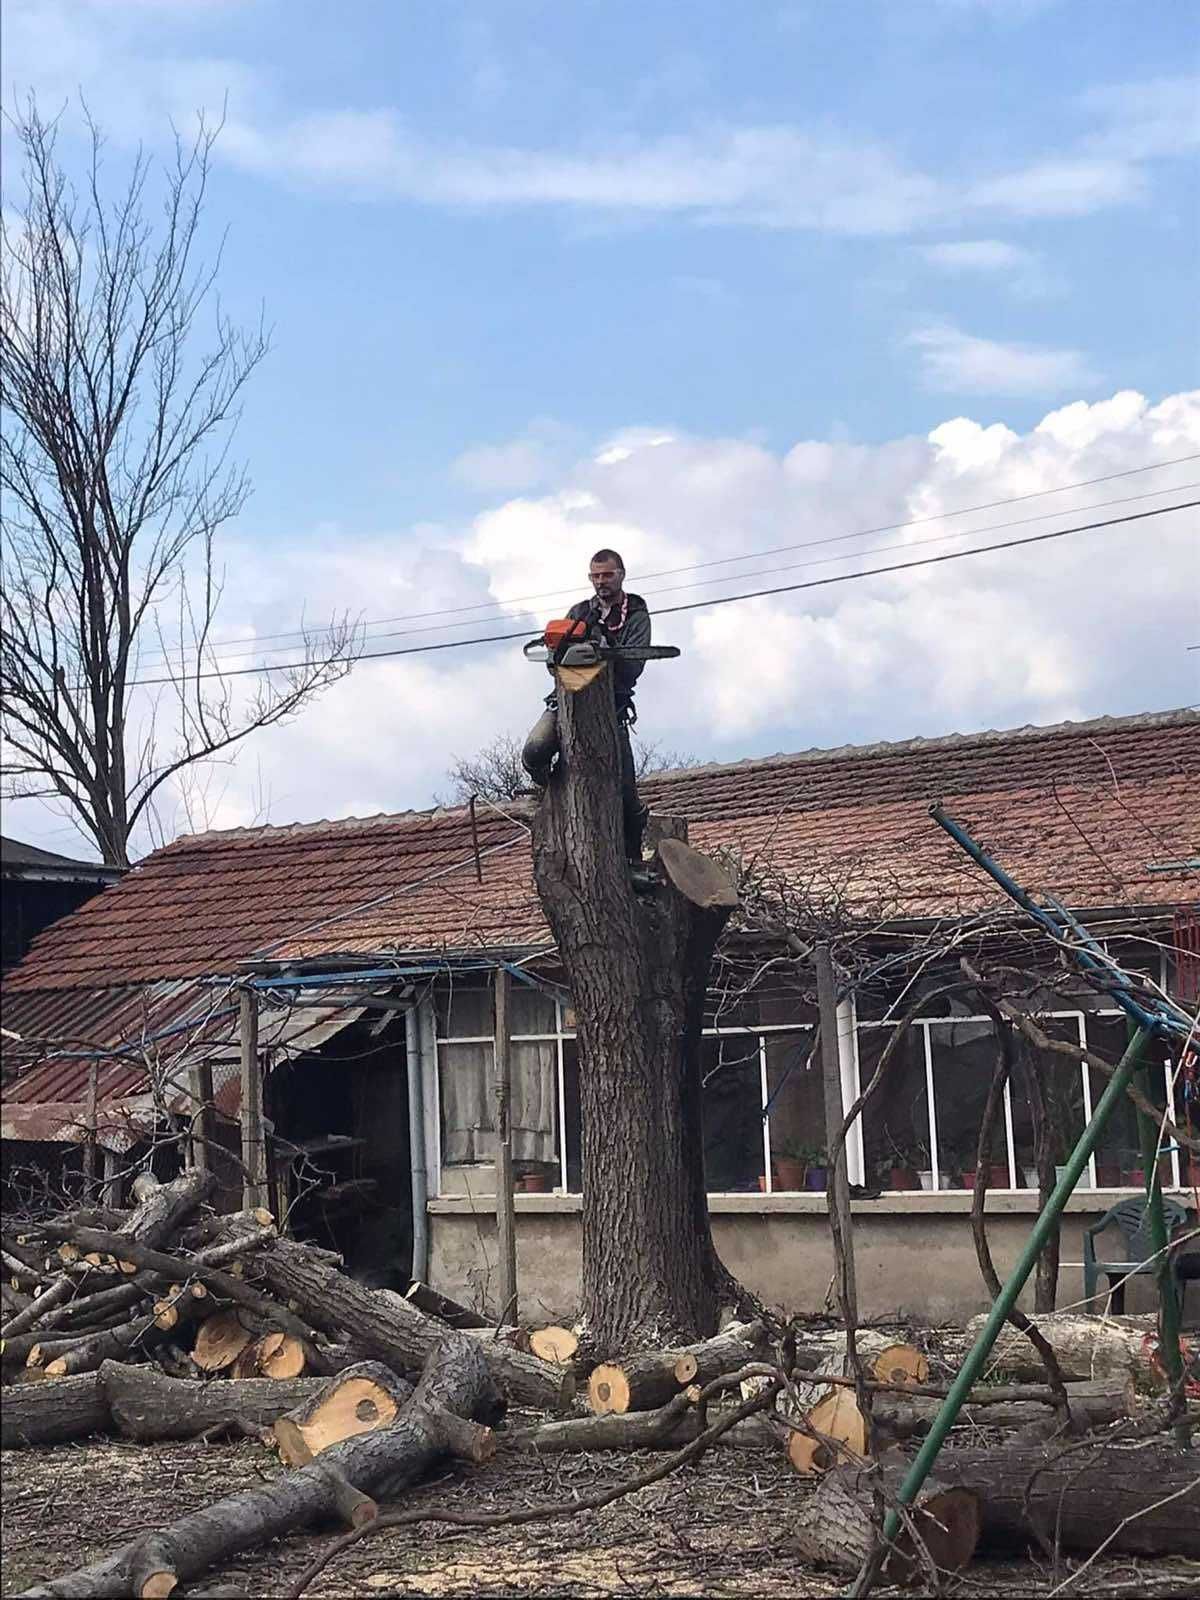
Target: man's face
x,y
606,580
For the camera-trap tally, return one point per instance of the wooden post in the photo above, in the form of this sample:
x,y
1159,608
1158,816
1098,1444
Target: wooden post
x,y
831,1076
202,1117
89,1143
254,1150
506,1221
110,1195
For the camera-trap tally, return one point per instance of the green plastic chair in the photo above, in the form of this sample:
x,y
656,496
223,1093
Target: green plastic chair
x,y
1132,1217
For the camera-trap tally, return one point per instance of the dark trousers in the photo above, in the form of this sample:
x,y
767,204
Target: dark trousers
x,y
542,746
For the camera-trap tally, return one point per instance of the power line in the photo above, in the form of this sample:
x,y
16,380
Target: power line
x,y
696,605
796,566
754,555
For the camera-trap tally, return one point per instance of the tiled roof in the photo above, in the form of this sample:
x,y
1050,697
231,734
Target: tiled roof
x,y
1081,809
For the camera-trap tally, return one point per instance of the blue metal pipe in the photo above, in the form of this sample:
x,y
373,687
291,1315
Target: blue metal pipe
x,y
1156,1021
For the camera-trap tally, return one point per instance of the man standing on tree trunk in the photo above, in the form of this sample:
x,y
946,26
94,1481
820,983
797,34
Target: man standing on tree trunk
x,y
623,619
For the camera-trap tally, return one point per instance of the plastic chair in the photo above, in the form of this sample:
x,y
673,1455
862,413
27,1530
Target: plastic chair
x,y
1132,1217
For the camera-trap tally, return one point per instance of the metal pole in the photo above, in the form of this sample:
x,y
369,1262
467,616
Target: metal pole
x,y
254,1149
973,1365
414,1058
837,1181
1168,1320
506,1220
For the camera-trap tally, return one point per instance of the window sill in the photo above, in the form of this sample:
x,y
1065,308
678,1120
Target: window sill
x,y
947,1201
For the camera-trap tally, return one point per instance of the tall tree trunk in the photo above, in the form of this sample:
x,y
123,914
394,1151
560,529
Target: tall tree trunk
x,y
637,968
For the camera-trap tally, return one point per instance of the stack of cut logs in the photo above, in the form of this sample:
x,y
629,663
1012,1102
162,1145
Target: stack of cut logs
x,y
169,1321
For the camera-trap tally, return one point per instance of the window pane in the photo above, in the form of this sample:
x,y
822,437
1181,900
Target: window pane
x,y
1064,1098
464,1011
796,1109
733,1146
468,1128
895,1119
529,1010
571,1116
964,1058
1119,1152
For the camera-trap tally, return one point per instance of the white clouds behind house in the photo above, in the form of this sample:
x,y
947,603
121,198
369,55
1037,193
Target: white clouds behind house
x,y
1092,624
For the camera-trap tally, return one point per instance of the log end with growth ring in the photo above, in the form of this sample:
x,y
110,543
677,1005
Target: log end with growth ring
x,y
220,1341
843,1434
553,1344
901,1363
608,1390
362,1398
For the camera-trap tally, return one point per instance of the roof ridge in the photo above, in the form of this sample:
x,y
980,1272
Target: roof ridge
x,y
1182,715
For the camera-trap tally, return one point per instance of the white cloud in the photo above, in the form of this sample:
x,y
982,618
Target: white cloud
x,y
961,363
1027,635
978,255
822,177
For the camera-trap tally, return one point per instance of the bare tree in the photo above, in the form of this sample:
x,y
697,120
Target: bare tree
x,y
496,773
119,409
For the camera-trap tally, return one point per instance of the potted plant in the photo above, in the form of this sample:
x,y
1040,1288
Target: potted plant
x,y
901,1174
997,1177
816,1176
534,1178
788,1162
1108,1174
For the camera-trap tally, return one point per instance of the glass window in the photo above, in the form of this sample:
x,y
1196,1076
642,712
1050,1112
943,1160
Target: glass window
x,y
732,1086
795,1111
895,1119
464,1011
964,1058
530,1010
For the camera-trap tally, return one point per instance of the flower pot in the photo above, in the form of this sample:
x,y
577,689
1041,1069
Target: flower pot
x,y
926,1179
1133,1178
997,1177
816,1178
762,1183
1108,1175
535,1183
1058,1174
1191,1174
789,1173
902,1179
1029,1176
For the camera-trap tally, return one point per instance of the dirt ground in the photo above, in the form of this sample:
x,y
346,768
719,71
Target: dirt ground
x,y
719,1528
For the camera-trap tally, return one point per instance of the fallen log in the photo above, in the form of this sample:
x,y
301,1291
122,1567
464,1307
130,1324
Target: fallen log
x,y
156,1218
392,1331
554,1344
147,1406
1092,1405
53,1411
455,1387
836,1525
669,1428
1086,1347
1146,1496
446,1310
647,1380
367,1396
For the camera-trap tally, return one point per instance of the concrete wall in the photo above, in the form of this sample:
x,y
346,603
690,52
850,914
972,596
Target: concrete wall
x,y
915,1256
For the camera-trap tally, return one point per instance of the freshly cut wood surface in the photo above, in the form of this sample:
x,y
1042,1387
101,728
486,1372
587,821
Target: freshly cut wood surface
x,y
364,1397
220,1341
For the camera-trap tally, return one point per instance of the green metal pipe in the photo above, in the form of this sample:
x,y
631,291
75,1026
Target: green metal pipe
x,y
1168,1321
1042,1228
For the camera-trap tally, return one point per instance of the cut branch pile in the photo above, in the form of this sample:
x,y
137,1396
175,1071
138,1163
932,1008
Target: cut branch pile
x,y
118,1309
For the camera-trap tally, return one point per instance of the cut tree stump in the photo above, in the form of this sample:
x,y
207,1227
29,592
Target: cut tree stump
x,y
647,1380
835,1526
278,1355
1147,1496
843,1435
220,1341
367,1396
455,1386
900,1363
395,1332
553,1344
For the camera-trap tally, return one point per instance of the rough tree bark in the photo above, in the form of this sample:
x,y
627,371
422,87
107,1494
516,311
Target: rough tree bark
x,y
637,968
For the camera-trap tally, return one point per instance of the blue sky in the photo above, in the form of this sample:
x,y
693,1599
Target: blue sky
x,y
492,238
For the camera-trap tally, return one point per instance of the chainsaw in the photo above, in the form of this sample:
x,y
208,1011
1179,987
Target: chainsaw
x,y
573,642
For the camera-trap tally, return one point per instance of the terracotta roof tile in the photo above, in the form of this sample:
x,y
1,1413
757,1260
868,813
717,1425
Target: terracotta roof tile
x,y
1081,809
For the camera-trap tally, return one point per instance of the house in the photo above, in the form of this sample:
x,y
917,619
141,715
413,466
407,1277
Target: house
x,y
369,946
39,888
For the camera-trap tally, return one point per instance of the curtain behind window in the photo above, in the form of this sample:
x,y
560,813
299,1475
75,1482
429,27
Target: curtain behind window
x,y
469,1105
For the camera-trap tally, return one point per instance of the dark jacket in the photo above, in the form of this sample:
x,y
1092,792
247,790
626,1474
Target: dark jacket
x,y
635,632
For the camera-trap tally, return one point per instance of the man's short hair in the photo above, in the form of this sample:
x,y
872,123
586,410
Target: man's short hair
x,y
608,555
